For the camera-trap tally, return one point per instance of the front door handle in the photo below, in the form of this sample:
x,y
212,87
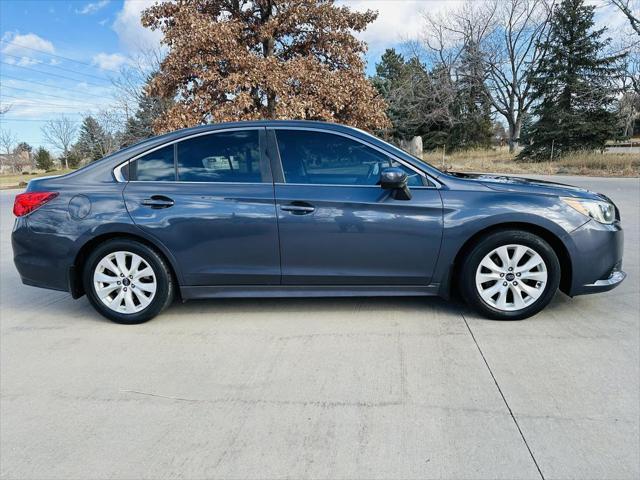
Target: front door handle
x,y
298,208
158,201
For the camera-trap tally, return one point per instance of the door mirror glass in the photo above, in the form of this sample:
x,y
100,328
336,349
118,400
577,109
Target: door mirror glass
x,y
395,179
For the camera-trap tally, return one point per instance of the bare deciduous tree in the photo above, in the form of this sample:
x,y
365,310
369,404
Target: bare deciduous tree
x,y
508,35
133,77
512,52
111,121
631,10
60,133
8,142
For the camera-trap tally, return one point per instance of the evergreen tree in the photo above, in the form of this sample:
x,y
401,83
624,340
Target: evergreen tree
x,y
389,71
574,86
43,159
525,131
418,100
472,108
150,109
92,140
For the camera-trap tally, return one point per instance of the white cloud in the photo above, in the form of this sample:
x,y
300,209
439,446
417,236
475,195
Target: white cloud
x,y
20,45
17,48
109,61
132,35
91,8
397,21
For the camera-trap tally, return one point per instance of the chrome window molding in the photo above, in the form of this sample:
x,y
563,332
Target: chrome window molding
x,y
284,184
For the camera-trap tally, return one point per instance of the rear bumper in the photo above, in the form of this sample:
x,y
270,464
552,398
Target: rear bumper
x,y
597,258
41,259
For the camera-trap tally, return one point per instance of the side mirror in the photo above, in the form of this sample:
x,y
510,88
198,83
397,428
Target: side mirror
x,y
395,179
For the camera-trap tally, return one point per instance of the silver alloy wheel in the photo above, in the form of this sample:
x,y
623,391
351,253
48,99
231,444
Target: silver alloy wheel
x,y
511,277
124,282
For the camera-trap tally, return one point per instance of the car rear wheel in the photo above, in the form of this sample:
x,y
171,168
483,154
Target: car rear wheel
x,y
127,282
510,275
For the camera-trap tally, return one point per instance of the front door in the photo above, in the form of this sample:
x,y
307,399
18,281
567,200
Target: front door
x,y
209,200
338,227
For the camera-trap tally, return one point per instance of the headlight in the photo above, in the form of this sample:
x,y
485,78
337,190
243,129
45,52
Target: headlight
x,y
603,212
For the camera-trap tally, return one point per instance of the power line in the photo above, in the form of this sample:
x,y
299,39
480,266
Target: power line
x,y
36,104
34,92
104,79
6,119
57,56
51,86
53,75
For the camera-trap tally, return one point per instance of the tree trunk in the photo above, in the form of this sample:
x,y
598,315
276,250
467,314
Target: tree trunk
x,y
66,159
514,134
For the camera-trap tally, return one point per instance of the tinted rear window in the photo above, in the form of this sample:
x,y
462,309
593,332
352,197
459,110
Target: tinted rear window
x,y
221,157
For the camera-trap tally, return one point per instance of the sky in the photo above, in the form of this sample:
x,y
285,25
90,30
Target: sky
x,y
59,57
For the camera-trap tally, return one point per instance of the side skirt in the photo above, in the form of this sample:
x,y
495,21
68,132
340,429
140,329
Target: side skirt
x,y
274,291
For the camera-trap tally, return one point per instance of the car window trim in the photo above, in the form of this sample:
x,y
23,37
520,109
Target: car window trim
x,y
119,177
424,175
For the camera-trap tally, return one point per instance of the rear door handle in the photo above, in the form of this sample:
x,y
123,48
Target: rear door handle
x,y
298,208
158,201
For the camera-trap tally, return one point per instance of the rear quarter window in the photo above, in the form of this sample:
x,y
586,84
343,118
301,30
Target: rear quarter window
x,y
154,166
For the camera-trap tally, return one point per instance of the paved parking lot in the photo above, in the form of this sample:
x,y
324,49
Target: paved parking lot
x,y
322,388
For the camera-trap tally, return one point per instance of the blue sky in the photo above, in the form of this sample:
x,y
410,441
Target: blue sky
x,y
58,57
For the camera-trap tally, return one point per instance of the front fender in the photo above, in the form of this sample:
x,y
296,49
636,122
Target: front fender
x,y
467,214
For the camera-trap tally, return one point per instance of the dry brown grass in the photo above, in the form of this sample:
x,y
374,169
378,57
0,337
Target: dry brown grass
x,y
18,180
501,161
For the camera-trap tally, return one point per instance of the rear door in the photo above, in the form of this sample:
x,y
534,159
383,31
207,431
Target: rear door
x,y
209,199
337,226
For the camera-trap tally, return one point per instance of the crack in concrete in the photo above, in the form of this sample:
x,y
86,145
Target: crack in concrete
x,y
504,399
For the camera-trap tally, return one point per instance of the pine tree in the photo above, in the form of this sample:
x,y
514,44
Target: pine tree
x,y
418,100
525,130
92,140
574,86
43,159
389,71
472,108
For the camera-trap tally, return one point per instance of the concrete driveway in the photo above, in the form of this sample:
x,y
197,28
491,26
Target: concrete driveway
x,y
323,388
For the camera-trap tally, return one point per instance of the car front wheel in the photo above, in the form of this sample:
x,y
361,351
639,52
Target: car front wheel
x,y
127,282
510,275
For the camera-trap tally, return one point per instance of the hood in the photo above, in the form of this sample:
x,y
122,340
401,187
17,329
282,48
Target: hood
x,y
526,185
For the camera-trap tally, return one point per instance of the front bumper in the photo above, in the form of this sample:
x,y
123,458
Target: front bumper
x,y
615,278
596,258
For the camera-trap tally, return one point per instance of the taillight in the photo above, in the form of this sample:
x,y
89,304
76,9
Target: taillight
x,y
27,202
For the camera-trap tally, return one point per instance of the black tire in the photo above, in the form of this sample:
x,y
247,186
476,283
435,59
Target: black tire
x,y
485,245
165,287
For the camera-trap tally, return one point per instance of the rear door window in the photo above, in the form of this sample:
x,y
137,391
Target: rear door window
x,y
221,157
